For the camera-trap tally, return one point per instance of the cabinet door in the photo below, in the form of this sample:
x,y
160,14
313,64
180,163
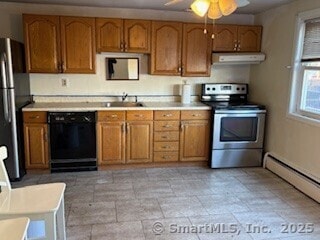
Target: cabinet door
x,y
249,38
109,35
166,48
78,44
137,36
36,145
139,141
194,140
225,38
196,52
111,142
42,43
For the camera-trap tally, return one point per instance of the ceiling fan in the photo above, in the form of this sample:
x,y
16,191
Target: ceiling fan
x,y
240,3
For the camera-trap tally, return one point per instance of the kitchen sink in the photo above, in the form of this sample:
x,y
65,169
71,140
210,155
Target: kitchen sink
x,y
124,104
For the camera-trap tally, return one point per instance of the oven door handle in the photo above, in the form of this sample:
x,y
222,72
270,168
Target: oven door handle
x,y
239,112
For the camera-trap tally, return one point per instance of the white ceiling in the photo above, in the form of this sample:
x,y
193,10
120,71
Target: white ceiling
x,y
255,6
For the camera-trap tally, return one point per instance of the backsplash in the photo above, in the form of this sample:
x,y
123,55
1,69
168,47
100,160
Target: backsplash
x,y
96,84
115,98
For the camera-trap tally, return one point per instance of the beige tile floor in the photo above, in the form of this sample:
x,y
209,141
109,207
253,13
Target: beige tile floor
x,y
184,203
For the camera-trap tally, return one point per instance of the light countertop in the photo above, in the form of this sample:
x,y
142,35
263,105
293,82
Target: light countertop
x,y
101,106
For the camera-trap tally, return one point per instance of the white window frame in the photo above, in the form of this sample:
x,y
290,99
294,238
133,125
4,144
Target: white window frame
x,y
294,110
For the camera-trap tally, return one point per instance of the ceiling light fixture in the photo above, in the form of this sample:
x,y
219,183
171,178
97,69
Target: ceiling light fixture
x,y
214,8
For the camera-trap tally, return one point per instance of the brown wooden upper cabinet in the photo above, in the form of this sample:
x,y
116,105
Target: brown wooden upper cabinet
x,y
118,35
196,53
166,48
180,49
59,44
233,38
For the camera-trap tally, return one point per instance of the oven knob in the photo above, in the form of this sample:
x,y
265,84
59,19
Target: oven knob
x,y
208,89
238,89
243,89
214,89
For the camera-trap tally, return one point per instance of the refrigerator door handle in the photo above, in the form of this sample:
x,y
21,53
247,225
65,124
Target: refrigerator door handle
x,y
5,90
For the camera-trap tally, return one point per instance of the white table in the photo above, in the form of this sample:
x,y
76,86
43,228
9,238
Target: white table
x,y
14,229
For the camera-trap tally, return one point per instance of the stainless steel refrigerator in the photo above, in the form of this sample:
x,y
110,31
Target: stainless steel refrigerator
x,y
14,95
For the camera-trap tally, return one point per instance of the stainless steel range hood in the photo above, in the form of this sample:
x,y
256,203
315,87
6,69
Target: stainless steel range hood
x,y
237,58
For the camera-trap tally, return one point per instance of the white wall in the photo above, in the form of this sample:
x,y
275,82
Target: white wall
x,y
270,82
95,84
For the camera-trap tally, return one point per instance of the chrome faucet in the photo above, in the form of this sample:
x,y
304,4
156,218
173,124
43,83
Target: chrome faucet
x,y
124,96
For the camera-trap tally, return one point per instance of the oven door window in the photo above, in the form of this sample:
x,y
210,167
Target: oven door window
x,y
237,129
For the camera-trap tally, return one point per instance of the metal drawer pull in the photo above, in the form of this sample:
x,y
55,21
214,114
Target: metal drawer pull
x,y
165,157
165,137
167,126
114,116
35,117
138,115
196,115
166,147
167,115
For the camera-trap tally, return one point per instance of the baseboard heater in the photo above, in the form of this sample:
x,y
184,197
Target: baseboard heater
x,y
299,180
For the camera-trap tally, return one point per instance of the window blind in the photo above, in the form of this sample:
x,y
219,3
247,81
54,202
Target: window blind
x,y
311,45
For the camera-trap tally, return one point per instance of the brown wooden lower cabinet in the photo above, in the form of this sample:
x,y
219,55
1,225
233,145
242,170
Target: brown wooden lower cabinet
x,y
194,140
36,145
120,141
139,146
111,142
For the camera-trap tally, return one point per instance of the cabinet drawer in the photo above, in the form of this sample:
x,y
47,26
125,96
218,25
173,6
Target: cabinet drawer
x,y
139,115
166,146
198,115
166,157
111,116
166,125
166,136
166,115
35,117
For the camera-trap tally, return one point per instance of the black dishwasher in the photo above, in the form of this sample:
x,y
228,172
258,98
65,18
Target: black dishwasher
x,y
72,141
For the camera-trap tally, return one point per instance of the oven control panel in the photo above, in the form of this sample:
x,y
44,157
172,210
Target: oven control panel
x,y
224,89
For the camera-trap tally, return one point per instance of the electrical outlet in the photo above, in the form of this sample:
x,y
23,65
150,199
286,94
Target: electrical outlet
x,y
64,82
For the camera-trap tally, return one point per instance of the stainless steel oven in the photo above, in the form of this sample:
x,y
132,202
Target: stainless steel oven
x,y
238,126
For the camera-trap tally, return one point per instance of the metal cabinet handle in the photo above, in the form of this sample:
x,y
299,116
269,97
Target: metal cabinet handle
x,y
138,115
235,46
165,157
114,116
167,115
59,67
45,137
128,127
181,127
35,117
167,126
179,69
196,115
123,127
125,47
164,137
165,147
63,67
121,47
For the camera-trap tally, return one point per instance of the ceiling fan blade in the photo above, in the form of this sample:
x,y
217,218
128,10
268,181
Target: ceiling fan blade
x,y
242,3
173,2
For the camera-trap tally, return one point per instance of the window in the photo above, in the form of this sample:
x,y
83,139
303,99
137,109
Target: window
x,y
305,95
